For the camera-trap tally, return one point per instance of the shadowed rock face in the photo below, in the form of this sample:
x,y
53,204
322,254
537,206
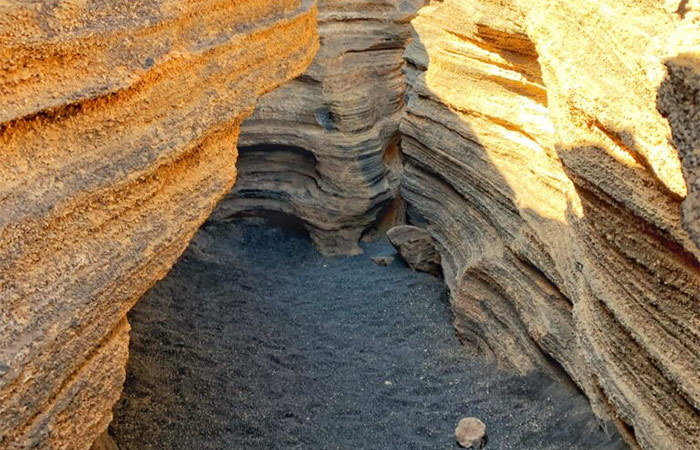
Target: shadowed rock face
x,y
118,131
557,199
345,111
679,101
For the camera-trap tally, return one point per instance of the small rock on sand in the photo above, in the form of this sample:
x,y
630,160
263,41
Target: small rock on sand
x,y
416,247
471,433
383,260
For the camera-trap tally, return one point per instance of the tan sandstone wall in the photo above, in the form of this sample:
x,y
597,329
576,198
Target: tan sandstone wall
x,y
552,146
342,119
118,129
564,206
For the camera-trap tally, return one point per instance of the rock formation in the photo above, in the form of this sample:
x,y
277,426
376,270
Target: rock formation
x,y
324,148
416,247
118,133
552,151
104,442
557,199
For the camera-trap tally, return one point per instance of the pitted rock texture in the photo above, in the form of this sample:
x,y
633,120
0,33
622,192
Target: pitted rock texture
x,y
555,192
325,147
118,131
679,100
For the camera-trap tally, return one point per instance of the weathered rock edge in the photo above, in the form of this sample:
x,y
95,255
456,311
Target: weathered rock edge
x,y
118,131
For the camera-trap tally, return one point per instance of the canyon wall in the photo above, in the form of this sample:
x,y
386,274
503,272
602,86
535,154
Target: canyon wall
x,y
564,205
324,147
118,131
552,151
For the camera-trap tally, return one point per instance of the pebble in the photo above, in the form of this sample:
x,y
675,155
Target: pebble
x,y
471,433
383,260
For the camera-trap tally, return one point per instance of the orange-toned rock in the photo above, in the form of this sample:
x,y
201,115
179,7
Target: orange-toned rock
x,y
118,131
557,199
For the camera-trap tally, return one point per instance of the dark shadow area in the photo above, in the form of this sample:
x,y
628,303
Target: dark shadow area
x,y
255,341
269,177
678,99
284,221
287,150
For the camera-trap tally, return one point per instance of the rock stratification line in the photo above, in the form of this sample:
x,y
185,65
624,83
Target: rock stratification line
x,y
345,112
535,151
118,132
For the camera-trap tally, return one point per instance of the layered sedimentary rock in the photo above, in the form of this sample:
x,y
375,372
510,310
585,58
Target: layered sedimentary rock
x,y
416,248
118,131
555,192
324,148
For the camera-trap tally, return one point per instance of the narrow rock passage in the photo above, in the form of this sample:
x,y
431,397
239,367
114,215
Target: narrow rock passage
x,y
255,341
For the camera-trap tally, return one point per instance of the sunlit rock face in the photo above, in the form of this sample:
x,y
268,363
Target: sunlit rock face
x,y
325,147
555,192
118,131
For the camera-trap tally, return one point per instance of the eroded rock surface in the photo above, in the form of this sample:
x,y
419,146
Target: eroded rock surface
x,y
557,200
118,131
416,247
552,148
325,147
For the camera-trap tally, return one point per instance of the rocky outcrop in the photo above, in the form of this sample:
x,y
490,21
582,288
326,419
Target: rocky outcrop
x,y
118,133
324,148
416,248
550,184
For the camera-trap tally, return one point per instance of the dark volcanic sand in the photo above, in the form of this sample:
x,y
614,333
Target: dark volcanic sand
x,y
255,341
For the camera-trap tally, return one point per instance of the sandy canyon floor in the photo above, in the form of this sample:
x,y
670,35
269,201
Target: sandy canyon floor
x,y
255,341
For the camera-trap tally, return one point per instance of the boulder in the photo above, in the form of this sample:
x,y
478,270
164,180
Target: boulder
x,y
416,247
